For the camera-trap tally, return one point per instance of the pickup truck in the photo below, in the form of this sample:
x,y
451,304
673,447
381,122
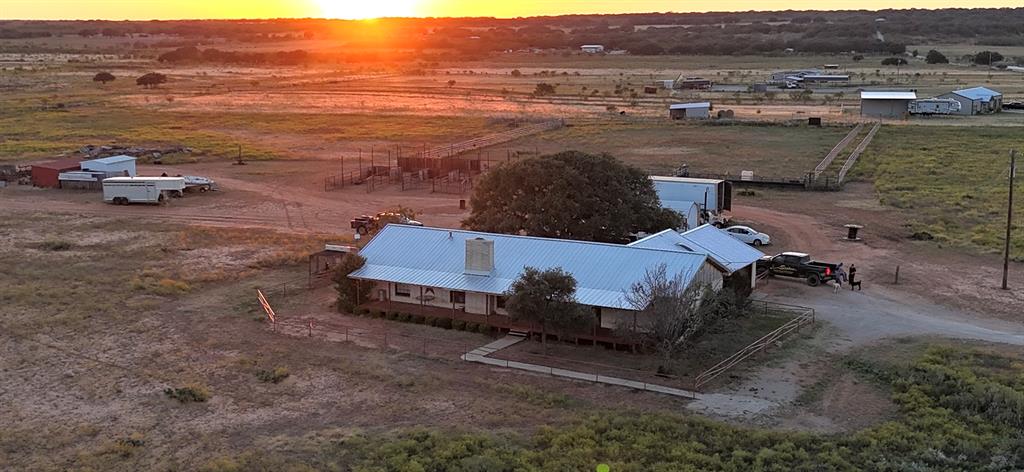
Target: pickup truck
x,y
799,265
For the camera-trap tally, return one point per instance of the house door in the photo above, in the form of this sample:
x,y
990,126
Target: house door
x,y
382,295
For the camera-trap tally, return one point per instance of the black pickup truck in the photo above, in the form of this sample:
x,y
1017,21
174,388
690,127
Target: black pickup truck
x,y
799,265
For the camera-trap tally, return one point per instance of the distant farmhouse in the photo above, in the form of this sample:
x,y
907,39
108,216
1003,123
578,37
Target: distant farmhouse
x,y
976,100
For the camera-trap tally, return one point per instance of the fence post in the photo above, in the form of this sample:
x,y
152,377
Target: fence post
x,y
896,281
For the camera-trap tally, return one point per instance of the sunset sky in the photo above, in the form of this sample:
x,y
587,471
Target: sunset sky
x,y
178,9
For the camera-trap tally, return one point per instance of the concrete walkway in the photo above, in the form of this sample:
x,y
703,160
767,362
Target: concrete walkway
x,y
720,404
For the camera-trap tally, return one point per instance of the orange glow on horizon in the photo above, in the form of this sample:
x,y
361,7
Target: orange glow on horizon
x,y
363,9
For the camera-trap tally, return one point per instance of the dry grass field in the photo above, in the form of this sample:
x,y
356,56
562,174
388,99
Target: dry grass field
x,y
103,308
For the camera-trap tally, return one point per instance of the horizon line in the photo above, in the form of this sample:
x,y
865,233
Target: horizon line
x,y
697,12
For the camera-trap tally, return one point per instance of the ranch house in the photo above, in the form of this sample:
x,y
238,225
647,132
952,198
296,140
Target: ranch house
x,y
465,274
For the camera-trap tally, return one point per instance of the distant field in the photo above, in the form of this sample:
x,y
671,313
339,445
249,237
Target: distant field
x,y
663,145
953,180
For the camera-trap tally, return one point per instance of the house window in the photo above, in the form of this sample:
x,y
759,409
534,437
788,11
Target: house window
x,y
499,302
457,297
403,290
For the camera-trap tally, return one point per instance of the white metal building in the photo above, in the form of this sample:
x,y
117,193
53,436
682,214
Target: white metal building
x,y
735,259
592,48
470,271
976,100
112,166
877,104
697,110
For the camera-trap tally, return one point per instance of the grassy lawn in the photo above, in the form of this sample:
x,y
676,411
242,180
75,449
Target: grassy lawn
x,y
721,341
662,145
33,134
951,182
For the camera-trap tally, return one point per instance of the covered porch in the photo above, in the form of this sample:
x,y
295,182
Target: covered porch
x,y
595,335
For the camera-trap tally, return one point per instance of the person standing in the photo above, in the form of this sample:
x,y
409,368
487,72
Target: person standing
x,y
853,276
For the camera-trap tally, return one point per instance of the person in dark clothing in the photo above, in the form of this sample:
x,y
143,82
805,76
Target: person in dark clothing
x,y
854,284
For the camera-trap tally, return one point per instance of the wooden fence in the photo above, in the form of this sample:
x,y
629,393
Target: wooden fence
x,y
827,161
856,152
455,149
805,316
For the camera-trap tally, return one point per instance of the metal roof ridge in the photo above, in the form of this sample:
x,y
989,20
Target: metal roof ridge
x,y
541,238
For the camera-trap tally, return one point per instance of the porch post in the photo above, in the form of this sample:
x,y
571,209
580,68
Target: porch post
x,y
389,296
357,292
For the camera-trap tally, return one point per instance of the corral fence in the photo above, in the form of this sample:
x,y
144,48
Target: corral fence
x,y
455,149
443,169
804,316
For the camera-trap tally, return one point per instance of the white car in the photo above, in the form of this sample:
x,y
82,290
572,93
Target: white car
x,y
748,235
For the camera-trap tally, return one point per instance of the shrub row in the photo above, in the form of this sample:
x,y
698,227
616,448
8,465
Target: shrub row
x,y
437,322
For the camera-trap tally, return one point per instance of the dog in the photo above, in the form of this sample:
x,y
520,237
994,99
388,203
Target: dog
x,y
855,285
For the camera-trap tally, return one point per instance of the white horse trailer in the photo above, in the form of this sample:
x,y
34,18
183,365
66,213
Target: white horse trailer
x,y
933,106
125,190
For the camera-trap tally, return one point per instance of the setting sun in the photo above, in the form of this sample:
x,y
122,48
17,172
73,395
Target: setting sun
x,y
359,9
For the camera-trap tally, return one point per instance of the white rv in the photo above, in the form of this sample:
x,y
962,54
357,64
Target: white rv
x,y
125,190
933,106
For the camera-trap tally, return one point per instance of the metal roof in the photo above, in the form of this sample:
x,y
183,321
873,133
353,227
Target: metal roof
x,y
435,257
876,95
687,106
726,251
110,160
826,77
978,93
144,179
688,180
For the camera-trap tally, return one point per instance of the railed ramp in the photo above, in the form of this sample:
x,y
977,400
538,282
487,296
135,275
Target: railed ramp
x,y
837,150
850,161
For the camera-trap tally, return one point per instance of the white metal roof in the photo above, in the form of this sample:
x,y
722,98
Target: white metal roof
x,y
726,251
110,160
978,93
876,95
145,179
435,257
687,106
688,180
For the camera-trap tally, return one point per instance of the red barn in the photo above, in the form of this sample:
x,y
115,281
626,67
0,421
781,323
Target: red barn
x,y
44,174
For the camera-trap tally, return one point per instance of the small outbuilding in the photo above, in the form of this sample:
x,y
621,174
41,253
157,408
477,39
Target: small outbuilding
x,y
976,100
121,166
698,110
736,260
592,48
878,104
47,174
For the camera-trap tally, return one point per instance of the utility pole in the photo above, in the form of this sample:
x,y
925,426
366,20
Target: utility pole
x,y
1009,219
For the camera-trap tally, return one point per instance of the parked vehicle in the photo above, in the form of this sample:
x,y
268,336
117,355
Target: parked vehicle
x,y
749,235
125,190
367,224
798,265
199,183
933,106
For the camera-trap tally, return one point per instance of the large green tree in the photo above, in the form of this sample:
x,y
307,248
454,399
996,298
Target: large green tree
x,y
570,195
546,298
936,57
350,293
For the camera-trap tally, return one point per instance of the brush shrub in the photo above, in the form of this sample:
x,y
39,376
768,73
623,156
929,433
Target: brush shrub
x,y
189,393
